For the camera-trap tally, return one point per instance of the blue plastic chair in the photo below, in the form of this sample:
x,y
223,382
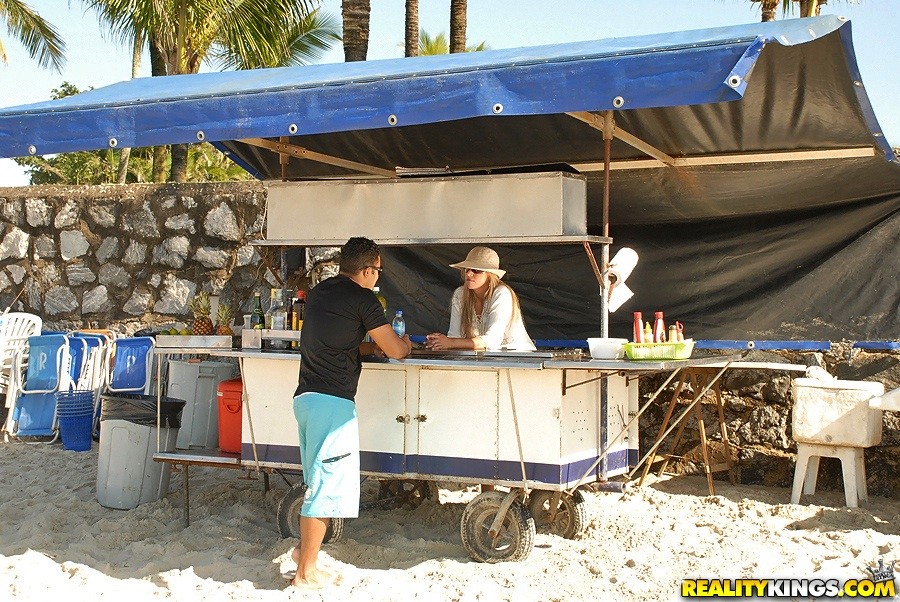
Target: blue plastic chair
x,y
34,409
132,363
93,372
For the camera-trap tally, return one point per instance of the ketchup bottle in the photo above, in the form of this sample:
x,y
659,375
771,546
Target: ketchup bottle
x,y
659,329
638,328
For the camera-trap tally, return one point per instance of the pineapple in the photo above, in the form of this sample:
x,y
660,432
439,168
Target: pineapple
x,y
200,307
223,321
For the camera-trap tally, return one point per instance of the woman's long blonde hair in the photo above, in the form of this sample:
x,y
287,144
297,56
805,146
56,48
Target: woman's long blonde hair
x,y
467,317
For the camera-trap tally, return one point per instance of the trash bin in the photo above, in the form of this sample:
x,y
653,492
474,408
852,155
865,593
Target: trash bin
x,y
127,476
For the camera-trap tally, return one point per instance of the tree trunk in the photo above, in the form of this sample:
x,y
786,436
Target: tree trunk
x,y
768,9
160,153
807,8
412,28
819,5
355,16
179,163
457,25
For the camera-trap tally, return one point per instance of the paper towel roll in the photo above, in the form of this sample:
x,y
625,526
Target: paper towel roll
x,y
622,264
619,295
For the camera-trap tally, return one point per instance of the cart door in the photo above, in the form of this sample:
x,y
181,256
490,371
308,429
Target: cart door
x,y
380,400
457,423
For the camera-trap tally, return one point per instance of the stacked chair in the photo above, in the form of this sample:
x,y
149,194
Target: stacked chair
x,y
46,363
15,328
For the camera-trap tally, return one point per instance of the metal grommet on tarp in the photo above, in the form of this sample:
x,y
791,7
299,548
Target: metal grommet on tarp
x,y
32,149
392,119
113,143
292,129
497,108
201,136
734,81
618,102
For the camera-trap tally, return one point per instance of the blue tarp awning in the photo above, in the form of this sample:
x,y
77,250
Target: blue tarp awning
x,y
784,196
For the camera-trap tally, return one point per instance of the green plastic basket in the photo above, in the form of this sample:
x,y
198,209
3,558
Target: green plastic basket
x,y
660,351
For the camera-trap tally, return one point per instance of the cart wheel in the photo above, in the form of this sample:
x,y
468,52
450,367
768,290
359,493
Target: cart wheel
x,y
407,494
516,537
571,513
288,516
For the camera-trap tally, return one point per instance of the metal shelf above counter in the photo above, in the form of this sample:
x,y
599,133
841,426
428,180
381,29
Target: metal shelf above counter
x,y
399,242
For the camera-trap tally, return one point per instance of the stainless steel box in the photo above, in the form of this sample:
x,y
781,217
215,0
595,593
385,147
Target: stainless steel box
x,y
455,208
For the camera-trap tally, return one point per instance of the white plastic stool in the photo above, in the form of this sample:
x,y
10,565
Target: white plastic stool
x,y
852,465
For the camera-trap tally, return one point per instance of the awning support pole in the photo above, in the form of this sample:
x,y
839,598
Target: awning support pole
x,y
609,127
304,153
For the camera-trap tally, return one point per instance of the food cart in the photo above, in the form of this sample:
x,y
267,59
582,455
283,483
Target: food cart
x,y
682,126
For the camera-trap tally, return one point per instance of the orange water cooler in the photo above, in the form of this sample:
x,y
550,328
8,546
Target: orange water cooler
x,y
229,395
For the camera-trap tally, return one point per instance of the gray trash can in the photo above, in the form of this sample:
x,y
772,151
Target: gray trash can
x,y
127,476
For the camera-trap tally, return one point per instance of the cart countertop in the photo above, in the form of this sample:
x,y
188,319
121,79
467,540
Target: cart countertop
x,y
526,360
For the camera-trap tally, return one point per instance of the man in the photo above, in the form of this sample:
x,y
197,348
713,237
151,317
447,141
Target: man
x,y
339,312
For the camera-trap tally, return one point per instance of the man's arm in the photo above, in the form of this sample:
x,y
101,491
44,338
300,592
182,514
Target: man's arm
x,y
387,340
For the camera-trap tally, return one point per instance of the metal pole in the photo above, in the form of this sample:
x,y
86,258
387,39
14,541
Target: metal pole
x,y
608,126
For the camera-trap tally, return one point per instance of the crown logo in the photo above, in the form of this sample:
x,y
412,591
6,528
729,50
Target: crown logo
x,y
882,572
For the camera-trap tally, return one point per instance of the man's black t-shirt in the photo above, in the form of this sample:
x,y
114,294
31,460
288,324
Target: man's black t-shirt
x,y
337,317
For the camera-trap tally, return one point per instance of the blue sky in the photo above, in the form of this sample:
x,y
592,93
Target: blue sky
x,y
94,60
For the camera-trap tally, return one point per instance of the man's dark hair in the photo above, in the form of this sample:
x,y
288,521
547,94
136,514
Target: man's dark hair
x,y
357,254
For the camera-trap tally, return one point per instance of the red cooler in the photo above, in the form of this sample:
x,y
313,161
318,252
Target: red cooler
x,y
229,395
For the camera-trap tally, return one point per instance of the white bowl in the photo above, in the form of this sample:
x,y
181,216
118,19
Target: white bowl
x,y
607,349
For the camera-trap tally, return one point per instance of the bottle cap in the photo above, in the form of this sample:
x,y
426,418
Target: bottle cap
x,y
399,312
659,314
301,294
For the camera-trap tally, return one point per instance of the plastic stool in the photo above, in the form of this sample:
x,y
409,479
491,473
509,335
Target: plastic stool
x,y
853,468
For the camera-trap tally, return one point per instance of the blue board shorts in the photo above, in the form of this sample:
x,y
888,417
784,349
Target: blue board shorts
x,y
329,452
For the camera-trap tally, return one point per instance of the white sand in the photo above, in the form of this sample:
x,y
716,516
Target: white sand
x,y
57,541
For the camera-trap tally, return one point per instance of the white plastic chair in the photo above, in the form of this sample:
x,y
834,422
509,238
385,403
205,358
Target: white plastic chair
x,y
15,328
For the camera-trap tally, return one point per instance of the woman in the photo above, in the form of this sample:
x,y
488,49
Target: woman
x,y
484,312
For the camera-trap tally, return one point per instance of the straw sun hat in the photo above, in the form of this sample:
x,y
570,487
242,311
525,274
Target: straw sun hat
x,y
481,258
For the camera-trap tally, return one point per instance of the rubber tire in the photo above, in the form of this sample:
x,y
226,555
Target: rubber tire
x,y
571,517
287,515
410,492
516,537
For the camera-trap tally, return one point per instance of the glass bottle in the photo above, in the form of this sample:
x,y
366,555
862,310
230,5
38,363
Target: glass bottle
x,y
257,315
381,299
297,315
277,318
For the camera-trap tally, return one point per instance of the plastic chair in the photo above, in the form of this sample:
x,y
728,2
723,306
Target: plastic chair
x,y
33,411
95,367
15,328
131,367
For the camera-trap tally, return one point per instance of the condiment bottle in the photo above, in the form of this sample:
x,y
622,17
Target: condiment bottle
x,y
673,334
648,333
638,328
659,329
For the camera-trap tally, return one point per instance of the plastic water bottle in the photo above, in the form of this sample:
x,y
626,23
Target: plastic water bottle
x,y
399,324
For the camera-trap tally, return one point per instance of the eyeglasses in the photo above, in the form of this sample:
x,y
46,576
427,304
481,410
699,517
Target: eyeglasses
x,y
474,271
377,268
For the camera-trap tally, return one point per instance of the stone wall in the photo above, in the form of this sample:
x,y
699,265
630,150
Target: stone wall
x,y
123,256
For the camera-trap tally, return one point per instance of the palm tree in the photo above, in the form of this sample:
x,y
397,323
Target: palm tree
x,y
429,45
808,8
39,37
181,34
411,37
457,25
355,15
